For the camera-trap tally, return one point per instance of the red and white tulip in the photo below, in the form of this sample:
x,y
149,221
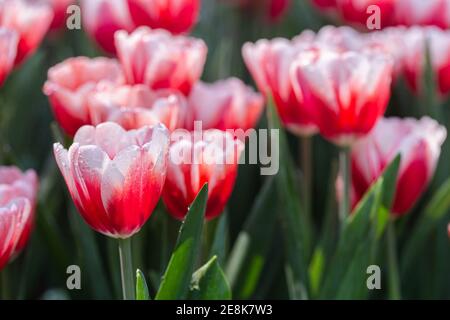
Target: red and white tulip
x,y
115,177
419,144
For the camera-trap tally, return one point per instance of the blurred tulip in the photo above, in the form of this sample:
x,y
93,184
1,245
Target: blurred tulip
x,y
388,41
419,143
115,177
416,40
136,106
70,83
8,49
30,19
325,4
102,18
347,91
269,62
356,11
18,194
225,104
160,60
177,16
419,12
213,159
60,12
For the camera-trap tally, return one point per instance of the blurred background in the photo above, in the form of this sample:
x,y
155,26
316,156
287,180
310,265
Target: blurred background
x,y
61,238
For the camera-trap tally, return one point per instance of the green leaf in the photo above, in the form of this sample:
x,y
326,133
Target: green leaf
x,y
176,280
355,247
209,283
438,206
390,182
296,221
219,245
141,286
249,253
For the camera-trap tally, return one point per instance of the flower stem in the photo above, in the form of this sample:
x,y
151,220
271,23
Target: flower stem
x,y
345,168
126,269
394,279
306,167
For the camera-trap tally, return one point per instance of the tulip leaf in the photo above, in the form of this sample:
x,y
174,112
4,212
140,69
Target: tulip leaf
x,y
177,277
209,283
219,244
296,221
141,286
354,248
438,206
390,182
249,253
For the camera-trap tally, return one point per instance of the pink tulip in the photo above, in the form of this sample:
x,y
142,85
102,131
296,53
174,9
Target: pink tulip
x,y
115,177
213,159
269,63
60,12
71,82
347,91
226,104
177,16
415,59
356,11
419,12
419,143
325,4
30,19
102,18
160,60
136,106
18,194
8,49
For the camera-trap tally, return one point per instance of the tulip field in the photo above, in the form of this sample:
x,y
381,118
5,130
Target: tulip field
x,y
224,150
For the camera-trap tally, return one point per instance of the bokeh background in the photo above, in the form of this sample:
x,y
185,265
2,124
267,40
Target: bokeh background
x,y
61,238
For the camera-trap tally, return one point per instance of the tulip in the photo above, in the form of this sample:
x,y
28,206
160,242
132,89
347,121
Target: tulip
x,y
425,13
269,63
115,178
71,82
60,12
102,18
347,91
136,106
325,4
193,162
419,144
416,40
356,11
226,104
176,16
160,60
8,49
18,193
30,19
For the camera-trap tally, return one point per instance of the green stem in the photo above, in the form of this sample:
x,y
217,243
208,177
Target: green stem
x,y
126,269
345,168
306,166
393,276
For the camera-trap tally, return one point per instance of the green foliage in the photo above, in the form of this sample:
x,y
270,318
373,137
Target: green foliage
x,y
176,280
